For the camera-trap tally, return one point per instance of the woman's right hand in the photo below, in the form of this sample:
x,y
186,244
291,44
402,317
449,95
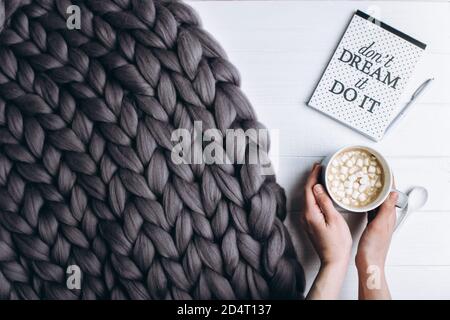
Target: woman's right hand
x,y
372,251
376,238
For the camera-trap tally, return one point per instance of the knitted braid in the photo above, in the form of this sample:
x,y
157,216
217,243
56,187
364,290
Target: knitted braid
x,y
55,163
86,175
82,163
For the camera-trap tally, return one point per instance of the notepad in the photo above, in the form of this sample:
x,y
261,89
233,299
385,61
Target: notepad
x,y
365,77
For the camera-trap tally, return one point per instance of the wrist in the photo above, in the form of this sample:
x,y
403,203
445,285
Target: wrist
x,y
328,282
338,265
363,263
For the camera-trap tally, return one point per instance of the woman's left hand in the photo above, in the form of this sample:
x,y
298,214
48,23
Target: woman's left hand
x,y
330,236
326,228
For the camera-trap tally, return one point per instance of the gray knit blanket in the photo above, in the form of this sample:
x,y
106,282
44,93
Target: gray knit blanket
x,y
88,187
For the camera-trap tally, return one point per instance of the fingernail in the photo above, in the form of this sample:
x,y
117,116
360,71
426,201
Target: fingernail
x,y
393,196
318,189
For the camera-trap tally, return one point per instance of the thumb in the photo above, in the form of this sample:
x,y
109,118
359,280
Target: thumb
x,y
324,201
387,208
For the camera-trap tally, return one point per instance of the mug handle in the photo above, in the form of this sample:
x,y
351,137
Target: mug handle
x,y
402,200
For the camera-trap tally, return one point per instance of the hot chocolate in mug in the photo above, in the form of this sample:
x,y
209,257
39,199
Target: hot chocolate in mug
x,y
359,179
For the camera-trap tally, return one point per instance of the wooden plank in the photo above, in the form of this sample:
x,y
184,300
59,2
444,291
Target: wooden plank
x,y
405,282
312,0
421,283
303,131
432,173
278,25
288,78
421,241
281,48
418,262
281,62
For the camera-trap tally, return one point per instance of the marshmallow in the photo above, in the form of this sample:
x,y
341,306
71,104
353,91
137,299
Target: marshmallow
x,y
353,170
362,197
355,177
364,180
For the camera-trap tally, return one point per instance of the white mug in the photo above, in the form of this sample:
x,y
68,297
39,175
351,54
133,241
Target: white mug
x,y
387,185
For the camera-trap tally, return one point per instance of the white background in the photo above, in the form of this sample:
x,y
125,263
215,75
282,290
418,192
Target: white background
x,y
281,49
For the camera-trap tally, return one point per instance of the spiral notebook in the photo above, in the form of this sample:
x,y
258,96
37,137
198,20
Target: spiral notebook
x,y
366,75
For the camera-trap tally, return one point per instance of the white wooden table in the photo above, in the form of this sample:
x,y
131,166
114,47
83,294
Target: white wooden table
x,y
281,49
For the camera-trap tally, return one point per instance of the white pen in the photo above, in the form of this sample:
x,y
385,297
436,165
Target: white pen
x,y
413,98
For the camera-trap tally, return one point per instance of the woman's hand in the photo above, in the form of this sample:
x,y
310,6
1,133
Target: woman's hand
x,y
326,227
376,238
372,251
329,235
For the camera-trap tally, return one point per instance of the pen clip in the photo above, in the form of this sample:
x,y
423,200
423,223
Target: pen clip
x,y
414,96
420,89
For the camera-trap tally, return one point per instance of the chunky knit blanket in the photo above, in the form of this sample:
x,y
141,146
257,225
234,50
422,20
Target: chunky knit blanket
x,y
86,175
